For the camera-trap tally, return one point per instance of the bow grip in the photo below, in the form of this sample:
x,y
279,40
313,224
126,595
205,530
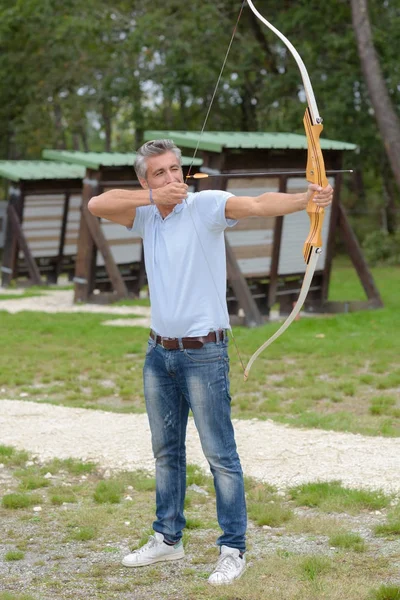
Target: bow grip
x,y
315,173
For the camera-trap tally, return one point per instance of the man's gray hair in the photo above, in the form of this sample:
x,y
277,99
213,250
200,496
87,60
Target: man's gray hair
x,y
153,148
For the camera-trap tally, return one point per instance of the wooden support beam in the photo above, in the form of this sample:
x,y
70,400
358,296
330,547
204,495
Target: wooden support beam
x,y
91,239
276,249
93,224
85,265
330,245
357,258
253,317
33,269
58,267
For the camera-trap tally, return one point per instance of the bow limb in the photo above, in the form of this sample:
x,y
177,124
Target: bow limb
x,y
315,173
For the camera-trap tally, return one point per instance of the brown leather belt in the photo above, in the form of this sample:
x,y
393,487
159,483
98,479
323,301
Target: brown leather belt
x,y
188,342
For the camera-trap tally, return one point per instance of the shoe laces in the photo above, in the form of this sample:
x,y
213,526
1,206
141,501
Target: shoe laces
x,y
225,564
152,542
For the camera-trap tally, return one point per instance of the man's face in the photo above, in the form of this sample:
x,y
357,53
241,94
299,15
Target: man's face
x,y
161,170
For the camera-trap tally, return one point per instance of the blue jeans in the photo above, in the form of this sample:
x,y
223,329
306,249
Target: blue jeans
x,y
174,382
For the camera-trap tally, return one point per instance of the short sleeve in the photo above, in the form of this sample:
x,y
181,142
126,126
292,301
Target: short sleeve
x,y
210,206
138,223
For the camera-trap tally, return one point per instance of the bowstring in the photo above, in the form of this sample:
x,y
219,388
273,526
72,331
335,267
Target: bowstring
x,y
190,168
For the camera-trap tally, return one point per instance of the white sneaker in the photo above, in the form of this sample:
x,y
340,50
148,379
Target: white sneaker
x,y
154,551
230,566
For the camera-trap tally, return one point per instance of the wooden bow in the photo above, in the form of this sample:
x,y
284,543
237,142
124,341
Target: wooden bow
x,y
315,173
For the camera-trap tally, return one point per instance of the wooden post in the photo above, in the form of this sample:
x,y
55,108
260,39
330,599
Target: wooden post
x,y
91,238
34,272
58,267
93,224
253,317
358,260
10,254
329,249
276,249
85,266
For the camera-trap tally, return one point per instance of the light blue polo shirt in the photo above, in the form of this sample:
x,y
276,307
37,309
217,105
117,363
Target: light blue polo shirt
x,y
186,264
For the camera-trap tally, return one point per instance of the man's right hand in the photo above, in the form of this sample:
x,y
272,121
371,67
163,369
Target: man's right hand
x,y
170,194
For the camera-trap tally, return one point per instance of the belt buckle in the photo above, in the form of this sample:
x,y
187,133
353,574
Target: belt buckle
x,y
162,342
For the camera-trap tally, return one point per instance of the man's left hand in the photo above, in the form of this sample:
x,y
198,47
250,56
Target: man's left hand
x,y
321,196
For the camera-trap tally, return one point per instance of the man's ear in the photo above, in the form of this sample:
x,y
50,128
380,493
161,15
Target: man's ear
x,y
143,183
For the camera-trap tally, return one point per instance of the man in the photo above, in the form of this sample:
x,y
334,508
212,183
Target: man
x,y
187,365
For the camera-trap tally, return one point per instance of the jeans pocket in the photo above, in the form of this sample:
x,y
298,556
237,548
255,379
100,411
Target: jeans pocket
x,y
209,353
150,346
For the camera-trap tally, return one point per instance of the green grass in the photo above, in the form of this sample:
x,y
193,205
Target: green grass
x,y
385,592
11,596
348,541
17,500
311,567
265,508
389,529
12,555
84,542
347,380
108,492
332,496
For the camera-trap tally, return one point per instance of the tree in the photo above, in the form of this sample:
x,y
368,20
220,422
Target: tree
x,y
386,117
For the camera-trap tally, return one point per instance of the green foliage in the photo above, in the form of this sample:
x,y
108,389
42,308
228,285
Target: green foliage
x,y
348,541
17,500
381,248
109,491
83,534
385,592
12,596
12,555
313,566
389,529
333,496
265,507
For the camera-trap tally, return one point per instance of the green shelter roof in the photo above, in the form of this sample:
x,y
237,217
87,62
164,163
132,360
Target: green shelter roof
x,y
216,141
29,170
95,160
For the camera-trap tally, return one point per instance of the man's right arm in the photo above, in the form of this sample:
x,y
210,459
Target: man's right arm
x,y
119,206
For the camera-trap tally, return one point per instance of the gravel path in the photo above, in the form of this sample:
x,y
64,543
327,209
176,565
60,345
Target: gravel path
x,y
271,452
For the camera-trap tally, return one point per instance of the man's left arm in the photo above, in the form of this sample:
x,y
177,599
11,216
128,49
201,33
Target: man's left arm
x,y
275,204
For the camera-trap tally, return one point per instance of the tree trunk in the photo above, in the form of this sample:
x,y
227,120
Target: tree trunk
x,y
388,122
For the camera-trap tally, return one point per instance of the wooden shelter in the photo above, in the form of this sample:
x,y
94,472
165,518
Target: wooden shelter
x,y
40,220
100,242
264,256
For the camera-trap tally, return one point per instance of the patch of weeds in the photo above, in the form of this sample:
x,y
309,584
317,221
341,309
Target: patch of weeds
x,y
196,476
143,482
348,540
19,500
194,523
382,405
385,592
332,496
14,555
264,507
71,465
389,529
387,428
60,495
313,566
83,534
11,596
12,457
108,492
391,380
31,480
